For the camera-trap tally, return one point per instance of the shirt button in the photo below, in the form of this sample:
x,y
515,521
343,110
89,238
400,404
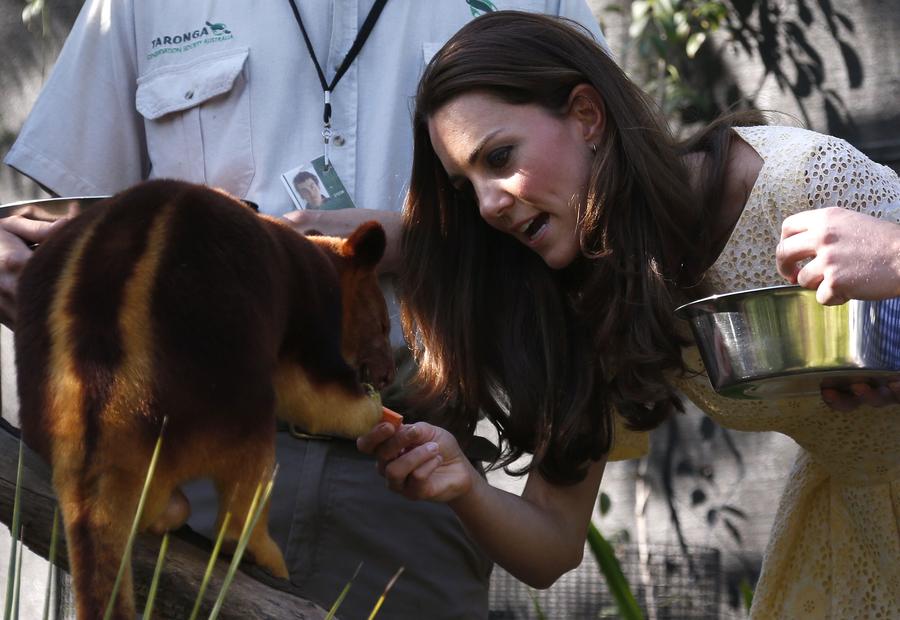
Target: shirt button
x,y
189,94
339,140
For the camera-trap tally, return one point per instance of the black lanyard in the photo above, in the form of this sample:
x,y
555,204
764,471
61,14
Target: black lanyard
x,y
360,40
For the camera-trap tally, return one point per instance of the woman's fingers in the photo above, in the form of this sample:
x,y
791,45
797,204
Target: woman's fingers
x,y
873,396
799,222
811,275
894,387
826,293
413,463
418,483
380,433
859,394
15,234
30,231
791,250
391,444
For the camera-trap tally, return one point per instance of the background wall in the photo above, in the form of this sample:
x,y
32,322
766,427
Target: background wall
x,y
831,64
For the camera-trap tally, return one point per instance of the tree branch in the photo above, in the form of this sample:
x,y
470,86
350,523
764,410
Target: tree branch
x,y
185,563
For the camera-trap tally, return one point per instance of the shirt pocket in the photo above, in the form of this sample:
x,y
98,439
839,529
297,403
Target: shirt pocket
x,y
197,121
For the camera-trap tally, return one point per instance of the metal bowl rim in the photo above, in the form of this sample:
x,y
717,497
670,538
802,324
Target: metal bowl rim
x,y
721,302
10,208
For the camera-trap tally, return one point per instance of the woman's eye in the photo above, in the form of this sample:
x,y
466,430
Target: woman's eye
x,y
499,157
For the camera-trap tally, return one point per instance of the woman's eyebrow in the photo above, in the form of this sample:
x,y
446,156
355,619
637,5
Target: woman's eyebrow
x,y
480,146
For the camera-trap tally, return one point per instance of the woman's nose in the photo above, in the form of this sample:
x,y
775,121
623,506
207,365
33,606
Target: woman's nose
x,y
493,202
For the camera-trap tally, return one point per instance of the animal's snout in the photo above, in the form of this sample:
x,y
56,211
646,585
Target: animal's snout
x,y
379,374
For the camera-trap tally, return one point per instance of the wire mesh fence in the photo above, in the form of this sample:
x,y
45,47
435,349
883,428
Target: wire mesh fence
x,y
670,585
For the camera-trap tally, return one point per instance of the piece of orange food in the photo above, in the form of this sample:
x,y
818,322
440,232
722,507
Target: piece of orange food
x,y
393,417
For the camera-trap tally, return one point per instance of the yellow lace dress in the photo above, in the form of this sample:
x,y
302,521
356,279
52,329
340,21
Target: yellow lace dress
x,y
834,550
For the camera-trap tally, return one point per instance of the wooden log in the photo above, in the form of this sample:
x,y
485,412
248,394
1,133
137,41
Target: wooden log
x,y
248,597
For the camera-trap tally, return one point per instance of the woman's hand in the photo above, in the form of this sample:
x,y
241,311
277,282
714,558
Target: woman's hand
x,y
536,537
419,461
17,233
853,256
861,394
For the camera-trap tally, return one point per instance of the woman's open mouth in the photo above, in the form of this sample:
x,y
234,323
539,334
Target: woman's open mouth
x,y
536,227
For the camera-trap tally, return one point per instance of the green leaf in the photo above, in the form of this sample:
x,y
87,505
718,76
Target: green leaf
x,y
154,583
536,604
14,531
342,595
211,563
387,588
746,593
615,578
51,562
18,585
693,43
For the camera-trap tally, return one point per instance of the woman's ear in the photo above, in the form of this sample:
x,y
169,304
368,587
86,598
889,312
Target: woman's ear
x,y
586,106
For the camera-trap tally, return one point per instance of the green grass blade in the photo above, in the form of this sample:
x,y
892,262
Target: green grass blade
x,y
210,565
126,556
342,595
746,591
260,499
536,604
387,588
18,578
51,563
157,571
14,531
615,578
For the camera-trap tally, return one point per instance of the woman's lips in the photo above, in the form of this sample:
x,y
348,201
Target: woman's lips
x,y
536,227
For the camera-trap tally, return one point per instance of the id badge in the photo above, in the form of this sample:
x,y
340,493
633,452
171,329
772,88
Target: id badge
x,y
312,186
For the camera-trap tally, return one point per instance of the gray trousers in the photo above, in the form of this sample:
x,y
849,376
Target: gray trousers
x,y
331,510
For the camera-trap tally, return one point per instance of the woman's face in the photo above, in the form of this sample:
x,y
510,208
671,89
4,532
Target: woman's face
x,y
528,169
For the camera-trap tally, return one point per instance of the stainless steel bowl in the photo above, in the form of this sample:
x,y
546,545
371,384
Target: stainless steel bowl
x,y
779,342
48,209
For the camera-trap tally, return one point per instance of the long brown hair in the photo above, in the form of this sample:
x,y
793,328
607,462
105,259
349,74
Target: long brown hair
x,y
546,355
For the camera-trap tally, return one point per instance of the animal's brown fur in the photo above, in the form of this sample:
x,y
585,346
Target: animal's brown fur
x,y
175,300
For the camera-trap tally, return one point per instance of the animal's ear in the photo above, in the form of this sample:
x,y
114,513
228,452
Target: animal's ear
x,y
365,247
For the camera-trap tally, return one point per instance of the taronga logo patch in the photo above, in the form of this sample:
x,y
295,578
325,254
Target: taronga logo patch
x,y
189,39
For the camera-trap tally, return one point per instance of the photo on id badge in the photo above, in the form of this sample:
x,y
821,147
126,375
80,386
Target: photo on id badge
x,y
313,186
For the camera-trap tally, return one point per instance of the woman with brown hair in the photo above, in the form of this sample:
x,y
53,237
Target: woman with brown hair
x,y
552,226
